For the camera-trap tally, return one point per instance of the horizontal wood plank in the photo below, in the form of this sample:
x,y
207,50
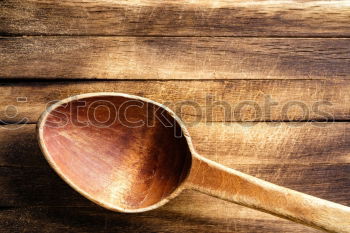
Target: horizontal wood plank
x,y
174,58
228,143
195,101
289,18
41,187
287,154
93,219
307,158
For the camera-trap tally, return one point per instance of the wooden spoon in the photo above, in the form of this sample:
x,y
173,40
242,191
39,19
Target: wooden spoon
x,y
131,154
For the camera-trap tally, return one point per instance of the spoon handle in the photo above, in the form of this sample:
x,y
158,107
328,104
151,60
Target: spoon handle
x,y
216,180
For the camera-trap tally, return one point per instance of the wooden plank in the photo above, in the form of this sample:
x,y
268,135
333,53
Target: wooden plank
x,y
227,143
174,58
28,186
307,158
288,18
295,156
93,219
196,101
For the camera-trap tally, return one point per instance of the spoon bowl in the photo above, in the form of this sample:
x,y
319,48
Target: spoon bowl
x,y
131,154
125,153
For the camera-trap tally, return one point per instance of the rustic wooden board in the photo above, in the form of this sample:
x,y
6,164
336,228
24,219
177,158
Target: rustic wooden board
x,y
186,18
152,47
174,58
94,219
33,197
264,143
33,186
194,101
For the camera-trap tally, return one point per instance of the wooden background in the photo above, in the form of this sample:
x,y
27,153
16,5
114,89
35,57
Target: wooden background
x,y
173,51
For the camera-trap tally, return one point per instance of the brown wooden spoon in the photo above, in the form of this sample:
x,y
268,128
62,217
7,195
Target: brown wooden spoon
x,y
130,154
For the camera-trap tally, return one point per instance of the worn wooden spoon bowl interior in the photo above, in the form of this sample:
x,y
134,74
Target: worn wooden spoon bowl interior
x,y
125,154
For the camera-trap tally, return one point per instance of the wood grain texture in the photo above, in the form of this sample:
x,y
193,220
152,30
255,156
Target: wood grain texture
x,y
228,184
34,186
195,101
312,167
93,219
277,156
188,18
264,143
140,160
130,163
301,156
174,58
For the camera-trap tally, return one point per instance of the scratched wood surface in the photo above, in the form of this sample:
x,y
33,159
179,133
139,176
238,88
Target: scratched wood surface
x,y
286,160
174,58
288,18
195,100
263,87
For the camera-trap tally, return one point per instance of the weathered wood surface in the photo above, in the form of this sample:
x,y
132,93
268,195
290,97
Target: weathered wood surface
x,y
187,18
301,156
28,186
287,143
134,40
94,219
174,58
194,101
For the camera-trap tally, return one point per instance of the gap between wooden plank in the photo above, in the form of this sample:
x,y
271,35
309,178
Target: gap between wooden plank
x,y
14,35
